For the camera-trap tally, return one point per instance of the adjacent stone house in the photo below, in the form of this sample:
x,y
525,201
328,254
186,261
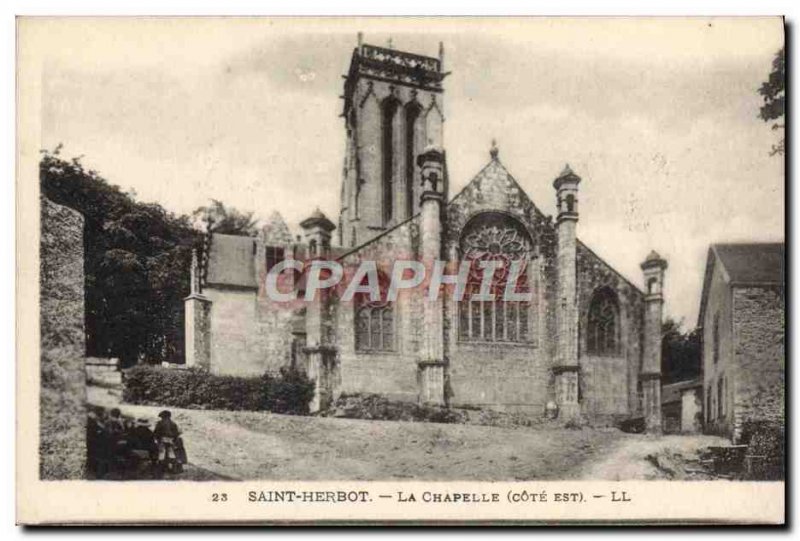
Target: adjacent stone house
x,y
587,339
742,312
682,407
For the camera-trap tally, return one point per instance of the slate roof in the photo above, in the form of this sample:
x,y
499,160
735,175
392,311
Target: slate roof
x,y
231,261
744,264
672,392
755,263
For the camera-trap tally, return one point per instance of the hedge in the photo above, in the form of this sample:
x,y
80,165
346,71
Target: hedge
x,y
289,392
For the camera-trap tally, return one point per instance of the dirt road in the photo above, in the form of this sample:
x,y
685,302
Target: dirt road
x,y
258,445
650,457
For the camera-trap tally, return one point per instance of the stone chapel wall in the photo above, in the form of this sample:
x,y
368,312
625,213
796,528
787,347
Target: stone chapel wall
x,y
504,376
391,373
609,383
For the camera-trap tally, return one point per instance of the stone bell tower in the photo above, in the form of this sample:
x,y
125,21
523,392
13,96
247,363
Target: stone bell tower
x,y
567,369
393,109
653,269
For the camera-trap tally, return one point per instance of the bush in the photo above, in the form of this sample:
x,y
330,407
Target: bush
x,y
374,406
290,392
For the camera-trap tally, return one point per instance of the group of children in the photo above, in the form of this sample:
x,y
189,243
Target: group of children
x,y
118,444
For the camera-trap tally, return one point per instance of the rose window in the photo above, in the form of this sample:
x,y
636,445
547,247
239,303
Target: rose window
x,y
495,237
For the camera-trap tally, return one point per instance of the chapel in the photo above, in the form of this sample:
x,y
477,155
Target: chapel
x,y
587,340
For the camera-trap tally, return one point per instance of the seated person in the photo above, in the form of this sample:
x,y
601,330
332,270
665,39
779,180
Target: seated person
x,y
143,443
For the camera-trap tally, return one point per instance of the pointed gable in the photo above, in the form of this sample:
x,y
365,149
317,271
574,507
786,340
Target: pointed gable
x,y
275,231
494,188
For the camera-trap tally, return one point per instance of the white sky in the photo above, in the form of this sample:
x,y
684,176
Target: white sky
x,y
658,117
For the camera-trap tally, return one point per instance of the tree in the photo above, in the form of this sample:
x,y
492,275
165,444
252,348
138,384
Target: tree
x,y
774,95
226,220
680,352
136,261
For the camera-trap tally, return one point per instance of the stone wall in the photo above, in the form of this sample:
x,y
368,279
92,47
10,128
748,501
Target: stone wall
x,y
609,385
249,335
604,386
671,418
719,304
390,373
691,411
758,328
505,376
62,444
197,323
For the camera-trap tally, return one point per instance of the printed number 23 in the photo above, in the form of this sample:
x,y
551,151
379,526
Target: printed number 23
x,y
219,497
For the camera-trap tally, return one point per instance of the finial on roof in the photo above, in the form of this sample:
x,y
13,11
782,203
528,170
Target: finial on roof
x,y
389,44
566,177
360,39
653,256
653,259
494,151
318,218
441,55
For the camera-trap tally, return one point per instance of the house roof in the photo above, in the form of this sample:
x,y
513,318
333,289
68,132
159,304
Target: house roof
x,y
753,263
744,264
672,392
230,261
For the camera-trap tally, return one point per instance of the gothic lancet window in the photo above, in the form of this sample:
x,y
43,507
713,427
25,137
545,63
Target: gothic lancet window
x,y
388,113
374,321
499,238
413,111
603,324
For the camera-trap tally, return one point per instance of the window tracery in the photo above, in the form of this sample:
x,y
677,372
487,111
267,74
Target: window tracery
x,y
374,320
603,324
497,238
